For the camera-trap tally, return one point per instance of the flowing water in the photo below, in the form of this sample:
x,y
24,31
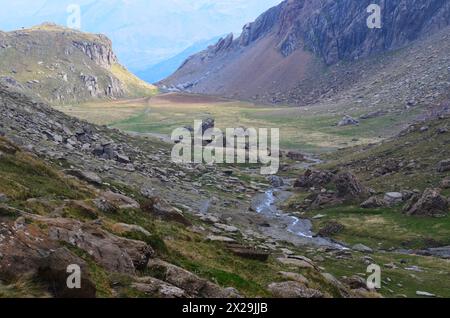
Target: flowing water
x,y
267,204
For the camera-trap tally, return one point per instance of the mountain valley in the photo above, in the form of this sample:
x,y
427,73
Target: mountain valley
x,y
87,178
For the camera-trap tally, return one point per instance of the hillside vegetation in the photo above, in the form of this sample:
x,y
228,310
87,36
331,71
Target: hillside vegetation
x,y
60,66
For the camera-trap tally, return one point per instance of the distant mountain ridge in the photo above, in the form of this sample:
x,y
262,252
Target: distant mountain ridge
x,y
163,69
59,66
292,42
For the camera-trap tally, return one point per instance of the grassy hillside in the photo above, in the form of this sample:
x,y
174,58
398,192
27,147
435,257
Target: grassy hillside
x,y
62,66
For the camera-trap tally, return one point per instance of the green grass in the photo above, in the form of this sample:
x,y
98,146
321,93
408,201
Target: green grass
x,y
399,282
24,177
385,227
310,129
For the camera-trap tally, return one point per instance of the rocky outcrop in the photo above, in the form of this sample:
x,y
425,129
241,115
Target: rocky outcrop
x,y
100,52
349,187
314,178
114,253
430,203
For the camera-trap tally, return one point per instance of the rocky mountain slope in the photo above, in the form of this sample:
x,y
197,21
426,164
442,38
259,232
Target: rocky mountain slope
x,y
60,65
293,44
137,224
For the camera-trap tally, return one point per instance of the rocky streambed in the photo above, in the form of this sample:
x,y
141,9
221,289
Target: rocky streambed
x,y
284,226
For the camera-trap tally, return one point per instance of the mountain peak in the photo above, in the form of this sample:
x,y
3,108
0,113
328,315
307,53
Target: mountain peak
x,y
281,47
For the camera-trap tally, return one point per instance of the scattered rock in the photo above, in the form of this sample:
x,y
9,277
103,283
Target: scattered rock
x,y
276,181
331,228
445,184
226,228
123,228
300,263
223,239
424,294
83,208
293,289
3,198
373,202
249,253
319,200
442,130
163,210
393,198
112,202
295,156
355,282
443,166
295,277
336,283
373,114
348,121
156,288
362,248
87,176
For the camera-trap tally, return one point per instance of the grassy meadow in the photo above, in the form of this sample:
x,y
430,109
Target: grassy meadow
x,y
310,129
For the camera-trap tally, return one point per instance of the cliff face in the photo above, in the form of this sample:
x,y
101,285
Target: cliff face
x,y
59,66
99,52
337,30
315,31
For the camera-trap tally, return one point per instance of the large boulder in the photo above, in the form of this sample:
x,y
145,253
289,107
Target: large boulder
x,y
25,249
22,248
430,203
114,253
349,187
54,272
193,285
314,178
293,289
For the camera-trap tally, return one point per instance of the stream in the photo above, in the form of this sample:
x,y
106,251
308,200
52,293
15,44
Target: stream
x,y
297,229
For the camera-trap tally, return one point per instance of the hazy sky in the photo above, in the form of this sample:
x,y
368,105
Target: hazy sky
x,y
143,31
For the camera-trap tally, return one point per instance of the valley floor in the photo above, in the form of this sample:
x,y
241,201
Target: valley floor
x,y
310,129
393,237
